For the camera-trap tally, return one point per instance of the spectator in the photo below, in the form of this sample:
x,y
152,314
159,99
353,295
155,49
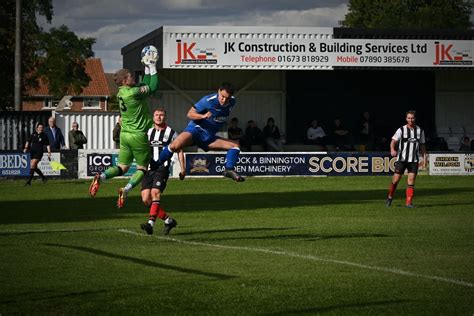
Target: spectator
x,y
235,132
465,145
315,135
443,144
116,132
272,137
55,135
366,132
341,136
77,139
253,135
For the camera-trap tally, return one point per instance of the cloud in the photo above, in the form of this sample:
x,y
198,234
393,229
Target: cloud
x,y
182,4
315,17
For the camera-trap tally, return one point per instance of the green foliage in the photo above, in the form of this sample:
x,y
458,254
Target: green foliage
x,y
62,58
113,103
29,42
284,246
414,14
34,49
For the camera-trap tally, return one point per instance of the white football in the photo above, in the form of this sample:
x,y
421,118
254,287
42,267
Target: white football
x,y
149,55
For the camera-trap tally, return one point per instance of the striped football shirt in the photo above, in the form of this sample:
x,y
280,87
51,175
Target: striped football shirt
x,y
158,139
409,141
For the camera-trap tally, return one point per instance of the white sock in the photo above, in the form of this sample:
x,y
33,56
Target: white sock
x,y
152,223
127,188
168,220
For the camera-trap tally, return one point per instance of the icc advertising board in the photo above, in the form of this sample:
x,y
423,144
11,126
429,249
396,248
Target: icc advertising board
x,y
284,52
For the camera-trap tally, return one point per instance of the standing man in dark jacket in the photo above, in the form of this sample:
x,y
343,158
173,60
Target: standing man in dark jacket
x,y
55,135
116,132
77,139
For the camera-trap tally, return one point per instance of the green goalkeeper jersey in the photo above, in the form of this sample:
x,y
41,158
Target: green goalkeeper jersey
x,y
134,106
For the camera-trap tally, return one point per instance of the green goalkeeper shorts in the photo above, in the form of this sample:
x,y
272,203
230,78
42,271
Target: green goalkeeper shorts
x,y
134,145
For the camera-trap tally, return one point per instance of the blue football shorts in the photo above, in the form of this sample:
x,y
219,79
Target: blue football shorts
x,y
201,137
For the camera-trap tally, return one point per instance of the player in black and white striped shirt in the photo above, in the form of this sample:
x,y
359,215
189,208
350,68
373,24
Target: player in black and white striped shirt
x,y
409,141
156,177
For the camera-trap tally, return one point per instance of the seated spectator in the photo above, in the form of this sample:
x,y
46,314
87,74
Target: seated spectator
x,y
341,136
253,135
235,132
366,131
315,135
443,144
435,143
465,145
272,137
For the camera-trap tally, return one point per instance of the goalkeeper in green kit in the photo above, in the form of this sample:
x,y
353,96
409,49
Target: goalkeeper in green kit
x,y
136,120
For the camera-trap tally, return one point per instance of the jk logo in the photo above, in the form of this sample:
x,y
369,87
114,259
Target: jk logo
x,y
442,53
184,51
229,47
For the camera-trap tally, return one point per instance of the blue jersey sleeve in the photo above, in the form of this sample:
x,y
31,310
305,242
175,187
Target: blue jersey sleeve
x,y
203,105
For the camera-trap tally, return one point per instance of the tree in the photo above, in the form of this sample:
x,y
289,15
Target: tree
x,y
34,51
416,14
61,56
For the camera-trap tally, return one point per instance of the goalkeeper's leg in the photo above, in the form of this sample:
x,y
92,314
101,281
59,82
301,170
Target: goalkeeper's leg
x,y
136,178
141,151
111,172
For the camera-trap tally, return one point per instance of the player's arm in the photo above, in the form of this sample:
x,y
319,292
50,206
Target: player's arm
x,y
423,154
182,164
423,148
393,145
48,147
28,143
193,114
151,78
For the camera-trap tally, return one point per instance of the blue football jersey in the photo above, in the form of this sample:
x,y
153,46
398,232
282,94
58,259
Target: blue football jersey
x,y
219,113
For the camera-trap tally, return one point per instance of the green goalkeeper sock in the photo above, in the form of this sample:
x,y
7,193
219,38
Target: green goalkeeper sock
x,y
135,180
112,172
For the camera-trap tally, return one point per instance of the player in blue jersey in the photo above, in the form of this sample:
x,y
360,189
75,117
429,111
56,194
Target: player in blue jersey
x,y
207,117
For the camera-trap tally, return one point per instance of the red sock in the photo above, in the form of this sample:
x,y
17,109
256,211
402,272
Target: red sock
x,y
391,190
410,192
157,211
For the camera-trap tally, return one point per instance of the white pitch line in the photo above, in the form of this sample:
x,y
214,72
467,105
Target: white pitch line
x,y
309,257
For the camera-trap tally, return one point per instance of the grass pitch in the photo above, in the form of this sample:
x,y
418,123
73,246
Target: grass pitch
x,y
265,246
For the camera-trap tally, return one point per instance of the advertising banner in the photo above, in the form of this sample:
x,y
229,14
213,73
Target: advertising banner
x,y
45,165
284,51
451,164
293,164
92,161
97,163
14,164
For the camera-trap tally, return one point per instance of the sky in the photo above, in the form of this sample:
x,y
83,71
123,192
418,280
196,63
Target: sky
x,y
116,23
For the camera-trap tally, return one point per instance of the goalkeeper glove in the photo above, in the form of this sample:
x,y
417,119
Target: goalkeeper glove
x,y
149,55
